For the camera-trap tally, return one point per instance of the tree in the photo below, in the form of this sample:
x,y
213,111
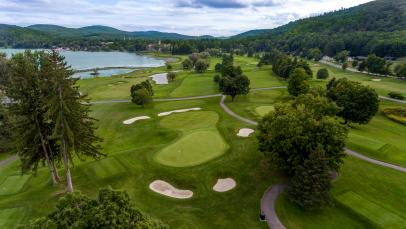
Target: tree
x,y
218,67
168,66
310,186
112,209
290,133
359,103
187,64
201,65
314,54
342,56
297,82
400,70
344,66
6,130
375,64
355,63
142,93
24,82
234,86
69,110
322,73
171,76
396,95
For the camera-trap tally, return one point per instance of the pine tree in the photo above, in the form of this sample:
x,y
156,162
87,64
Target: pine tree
x,y
69,110
310,186
22,83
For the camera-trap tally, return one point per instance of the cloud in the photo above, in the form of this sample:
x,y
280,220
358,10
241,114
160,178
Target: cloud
x,y
190,17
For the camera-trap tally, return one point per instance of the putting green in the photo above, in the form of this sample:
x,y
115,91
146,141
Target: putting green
x,y
200,141
193,149
264,110
13,184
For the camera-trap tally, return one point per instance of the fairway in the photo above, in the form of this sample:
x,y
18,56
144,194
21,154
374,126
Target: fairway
x,y
373,213
105,168
193,149
8,215
13,184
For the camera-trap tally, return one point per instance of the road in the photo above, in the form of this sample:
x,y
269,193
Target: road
x,y
268,205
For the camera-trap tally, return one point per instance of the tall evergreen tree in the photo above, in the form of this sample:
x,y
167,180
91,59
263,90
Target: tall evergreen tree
x,y
311,184
23,85
69,110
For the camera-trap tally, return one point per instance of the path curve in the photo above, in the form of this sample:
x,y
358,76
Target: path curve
x,y
216,95
8,160
268,205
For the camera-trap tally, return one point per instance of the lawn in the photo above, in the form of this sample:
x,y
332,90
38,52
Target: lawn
x,y
13,184
383,87
382,186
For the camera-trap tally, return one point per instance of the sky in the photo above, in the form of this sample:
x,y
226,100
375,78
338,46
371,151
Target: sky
x,y
189,17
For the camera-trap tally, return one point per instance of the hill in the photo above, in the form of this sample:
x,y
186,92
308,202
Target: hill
x,y
375,27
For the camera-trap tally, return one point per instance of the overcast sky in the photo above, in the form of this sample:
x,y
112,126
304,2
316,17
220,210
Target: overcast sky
x,y
191,17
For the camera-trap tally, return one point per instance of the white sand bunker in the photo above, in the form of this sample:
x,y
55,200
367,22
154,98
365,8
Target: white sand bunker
x,y
132,120
179,111
224,185
160,78
167,189
377,80
245,132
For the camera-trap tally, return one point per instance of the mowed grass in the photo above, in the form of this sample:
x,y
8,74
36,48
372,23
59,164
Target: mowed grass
x,y
383,186
108,167
13,184
193,149
264,110
382,87
196,84
200,140
9,217
371,212
382,139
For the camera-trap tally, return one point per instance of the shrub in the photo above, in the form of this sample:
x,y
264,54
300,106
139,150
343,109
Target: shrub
x,y
322,74
216,78
171,76
396,95
396,114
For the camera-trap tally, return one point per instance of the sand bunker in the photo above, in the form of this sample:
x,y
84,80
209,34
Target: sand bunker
x,y
132,120
245,132
167,189
179,111
377,80
224,185
160,78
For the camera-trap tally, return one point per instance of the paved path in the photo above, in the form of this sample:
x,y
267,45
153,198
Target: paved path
x,y
8,160
268,206
376,162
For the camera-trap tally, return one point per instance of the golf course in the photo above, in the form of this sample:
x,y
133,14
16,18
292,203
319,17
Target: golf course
x,y
185,138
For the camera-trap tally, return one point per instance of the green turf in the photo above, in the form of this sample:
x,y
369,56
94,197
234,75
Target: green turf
x,y
383,87
200,141
196,84
105,168
264,110
9,217
13,184
193,149
373,213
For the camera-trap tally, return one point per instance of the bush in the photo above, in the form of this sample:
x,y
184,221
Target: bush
x,y
322,74
396,95
171,76
396,114
201,65
168,66
187,64
216,78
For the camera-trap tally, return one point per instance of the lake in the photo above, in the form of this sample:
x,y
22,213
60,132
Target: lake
x,y
87,60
